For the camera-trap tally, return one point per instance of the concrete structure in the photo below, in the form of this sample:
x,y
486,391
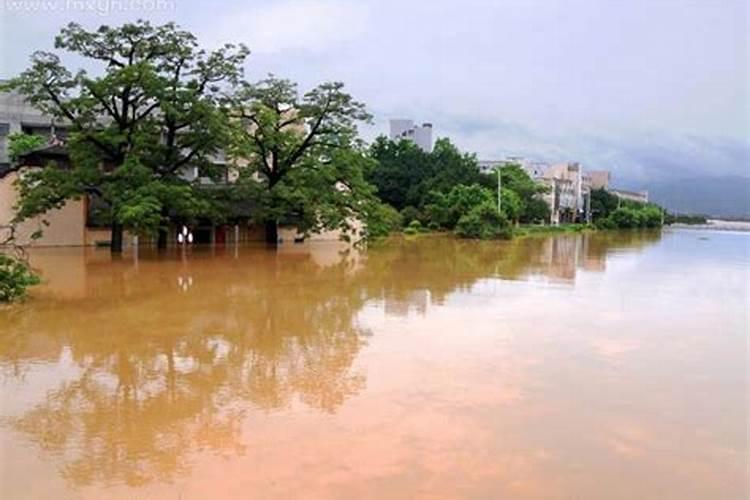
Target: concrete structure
x,y
600,179
534,168
569,194
420,135
72,225
16,115
636,196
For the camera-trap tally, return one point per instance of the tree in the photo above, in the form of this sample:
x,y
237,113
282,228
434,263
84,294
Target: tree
x,y
19,144
525,207
407,176
299,158
603,203
401,169
151,107
484,222
447,209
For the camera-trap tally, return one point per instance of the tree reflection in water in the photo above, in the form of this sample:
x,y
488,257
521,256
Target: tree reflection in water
x,y
151,371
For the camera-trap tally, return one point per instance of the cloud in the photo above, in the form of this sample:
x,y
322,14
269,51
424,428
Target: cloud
x,y
306,25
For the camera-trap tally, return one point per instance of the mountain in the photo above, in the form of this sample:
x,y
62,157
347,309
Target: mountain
x,y
727,196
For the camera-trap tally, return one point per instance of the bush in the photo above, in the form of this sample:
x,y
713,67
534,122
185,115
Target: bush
x,y
484,222
410,214
15,278
632,217
382,220
414,227
446,209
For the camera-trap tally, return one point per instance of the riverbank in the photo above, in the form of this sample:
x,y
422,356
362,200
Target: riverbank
x,y
717,225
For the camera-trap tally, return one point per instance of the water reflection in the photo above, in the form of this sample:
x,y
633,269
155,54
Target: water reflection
x,y
137,367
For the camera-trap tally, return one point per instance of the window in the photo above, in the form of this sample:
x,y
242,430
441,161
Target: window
x,y
4,129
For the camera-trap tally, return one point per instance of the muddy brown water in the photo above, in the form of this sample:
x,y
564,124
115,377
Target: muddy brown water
x,y
601,366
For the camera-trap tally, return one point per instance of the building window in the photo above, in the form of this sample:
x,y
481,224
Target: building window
x,y
4,129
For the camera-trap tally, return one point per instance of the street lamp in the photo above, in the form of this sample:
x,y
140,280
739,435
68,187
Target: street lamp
x,y
185,236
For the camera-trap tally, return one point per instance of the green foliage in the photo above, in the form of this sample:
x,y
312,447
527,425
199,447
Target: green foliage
x,y
15,278
152,101
407,176
536,210
685,219
525,203
512,204
410,214
306,167
445,209
382,220
643,216
484,222
603,203
19,144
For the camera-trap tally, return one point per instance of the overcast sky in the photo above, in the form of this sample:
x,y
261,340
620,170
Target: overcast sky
x,y
645,88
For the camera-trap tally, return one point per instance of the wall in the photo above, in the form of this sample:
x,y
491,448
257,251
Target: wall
x,y
67,225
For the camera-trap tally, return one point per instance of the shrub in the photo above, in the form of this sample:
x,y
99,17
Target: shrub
x,y
484,222
446,209
632,217
410,214
382,220
15,278
414,227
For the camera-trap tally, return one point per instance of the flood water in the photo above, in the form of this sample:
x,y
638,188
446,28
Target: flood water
x,y
603,366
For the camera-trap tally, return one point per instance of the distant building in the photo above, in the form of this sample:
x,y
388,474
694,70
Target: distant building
x,y
570,189
535,169
421,135
636,196
600,179
17,115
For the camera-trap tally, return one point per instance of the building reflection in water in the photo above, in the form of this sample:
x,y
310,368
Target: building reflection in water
x,y
139,373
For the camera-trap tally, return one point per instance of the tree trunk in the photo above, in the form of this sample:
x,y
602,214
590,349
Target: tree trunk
x,y
162,237
116,242
272,232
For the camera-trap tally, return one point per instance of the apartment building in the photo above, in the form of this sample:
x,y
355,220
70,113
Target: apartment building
x,y
421,135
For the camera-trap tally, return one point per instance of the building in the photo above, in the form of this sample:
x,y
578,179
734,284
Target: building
x,y
421,135
569,194
76,223
600,179
534,168
636,196
17,115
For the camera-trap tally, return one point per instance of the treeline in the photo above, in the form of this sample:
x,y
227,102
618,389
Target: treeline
x,y
445,190
610,212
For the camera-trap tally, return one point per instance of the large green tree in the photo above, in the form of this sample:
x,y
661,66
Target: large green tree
x,y
146,113
299,158
405,175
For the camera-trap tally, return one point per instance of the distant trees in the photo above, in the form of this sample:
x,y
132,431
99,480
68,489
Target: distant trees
x,y
603,203
405,176
441,187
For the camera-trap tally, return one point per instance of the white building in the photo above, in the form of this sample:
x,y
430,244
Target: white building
x,y
421,135
570,191
534,168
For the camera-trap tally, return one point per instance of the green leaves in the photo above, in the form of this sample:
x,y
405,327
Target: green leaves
x,y
484,222
15,278
299,157
149,110
20,144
